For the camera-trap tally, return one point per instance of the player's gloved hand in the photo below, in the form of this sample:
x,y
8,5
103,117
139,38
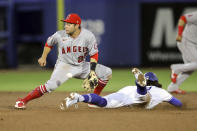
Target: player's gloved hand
x,y
91,81
42,61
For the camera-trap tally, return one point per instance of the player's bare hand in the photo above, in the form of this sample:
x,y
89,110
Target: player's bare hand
x,y
42,61
179,38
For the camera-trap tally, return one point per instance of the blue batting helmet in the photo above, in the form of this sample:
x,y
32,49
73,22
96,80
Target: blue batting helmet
x,y
151,76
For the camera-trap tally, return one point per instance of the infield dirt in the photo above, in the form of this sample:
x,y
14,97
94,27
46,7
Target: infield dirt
x,y
43,114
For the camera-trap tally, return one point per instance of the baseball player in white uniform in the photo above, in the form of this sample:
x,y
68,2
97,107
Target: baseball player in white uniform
x,y
187,44
74,44
147,91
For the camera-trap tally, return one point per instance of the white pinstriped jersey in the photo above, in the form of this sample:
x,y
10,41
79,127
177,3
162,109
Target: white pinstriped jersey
x,y
74,50
129,96
190,31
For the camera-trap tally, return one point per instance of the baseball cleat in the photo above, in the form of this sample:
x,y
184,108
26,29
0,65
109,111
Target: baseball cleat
x,y
179,91
136,72
63,104
69,101
20,104
141,80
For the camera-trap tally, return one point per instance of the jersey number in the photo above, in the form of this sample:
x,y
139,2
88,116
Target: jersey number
x,y
80,59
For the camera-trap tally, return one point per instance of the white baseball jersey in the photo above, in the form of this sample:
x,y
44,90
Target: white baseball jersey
x,y
190,31
74,50
129,96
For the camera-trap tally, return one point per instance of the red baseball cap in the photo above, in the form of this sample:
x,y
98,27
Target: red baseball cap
x,y
73,18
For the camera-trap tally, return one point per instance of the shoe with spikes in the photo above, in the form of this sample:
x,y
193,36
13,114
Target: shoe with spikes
x,y
20,104
179,91
136,72
69,101
141,80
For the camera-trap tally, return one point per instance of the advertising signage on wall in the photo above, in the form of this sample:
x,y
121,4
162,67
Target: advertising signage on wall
x,y
158,32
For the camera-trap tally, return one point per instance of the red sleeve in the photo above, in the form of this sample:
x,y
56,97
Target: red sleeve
x,y
181,28
46,45
95,56
183,18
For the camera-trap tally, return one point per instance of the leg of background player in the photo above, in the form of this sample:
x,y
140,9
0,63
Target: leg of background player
x,y
180,79
178,68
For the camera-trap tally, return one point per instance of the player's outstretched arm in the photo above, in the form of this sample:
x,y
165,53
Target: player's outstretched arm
x,y
42,60
176,102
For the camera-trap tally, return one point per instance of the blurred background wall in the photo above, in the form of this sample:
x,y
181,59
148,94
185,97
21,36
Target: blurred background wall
x,y
129,32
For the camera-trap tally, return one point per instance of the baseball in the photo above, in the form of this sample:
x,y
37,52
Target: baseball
x,y
69,75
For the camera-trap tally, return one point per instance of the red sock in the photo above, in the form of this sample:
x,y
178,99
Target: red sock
x,y
100,86
36,93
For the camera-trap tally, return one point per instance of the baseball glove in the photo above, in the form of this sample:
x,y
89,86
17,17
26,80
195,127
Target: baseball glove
x,y
90,82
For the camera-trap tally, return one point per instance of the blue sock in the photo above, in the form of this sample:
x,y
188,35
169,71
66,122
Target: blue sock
x,y
95,99
174,101
141,90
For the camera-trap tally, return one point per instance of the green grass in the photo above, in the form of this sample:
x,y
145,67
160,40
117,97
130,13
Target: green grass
x,y
16,80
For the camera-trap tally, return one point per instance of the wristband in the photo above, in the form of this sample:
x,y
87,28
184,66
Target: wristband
x,y
93,66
